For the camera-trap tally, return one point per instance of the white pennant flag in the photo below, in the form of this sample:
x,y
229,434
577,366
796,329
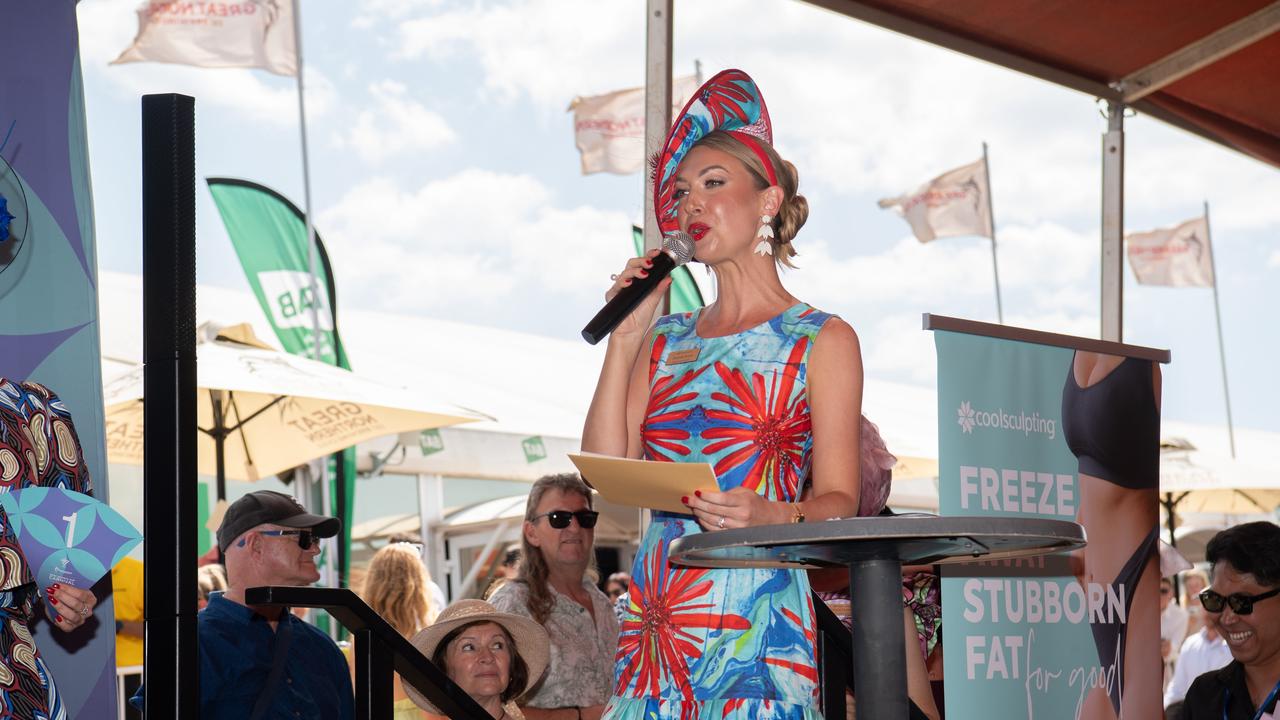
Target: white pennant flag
x,y
609,129
244,34
1178,256
954,203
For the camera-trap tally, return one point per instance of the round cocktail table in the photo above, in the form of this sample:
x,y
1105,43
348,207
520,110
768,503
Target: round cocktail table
x,y
874,549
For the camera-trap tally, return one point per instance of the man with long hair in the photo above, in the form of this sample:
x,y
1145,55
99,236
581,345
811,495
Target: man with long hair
x,y
555,587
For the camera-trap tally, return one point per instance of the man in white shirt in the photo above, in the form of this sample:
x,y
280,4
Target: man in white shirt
x,y
1173,627
1202,652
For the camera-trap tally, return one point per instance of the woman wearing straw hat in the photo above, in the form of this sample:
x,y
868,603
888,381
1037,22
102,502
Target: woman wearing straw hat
x,y
762,386
493,656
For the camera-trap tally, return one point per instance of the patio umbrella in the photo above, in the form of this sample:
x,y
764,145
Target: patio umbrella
x,y
261,411
1194,481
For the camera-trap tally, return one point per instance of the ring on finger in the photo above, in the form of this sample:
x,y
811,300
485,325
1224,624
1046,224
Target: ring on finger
x,y
721,523
613,276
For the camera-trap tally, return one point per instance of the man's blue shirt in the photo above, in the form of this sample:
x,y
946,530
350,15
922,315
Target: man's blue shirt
x,y
236,650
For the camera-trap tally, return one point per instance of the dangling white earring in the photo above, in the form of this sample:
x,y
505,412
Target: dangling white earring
x,y
765,233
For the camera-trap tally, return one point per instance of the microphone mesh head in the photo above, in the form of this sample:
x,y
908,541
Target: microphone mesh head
x,y
679,246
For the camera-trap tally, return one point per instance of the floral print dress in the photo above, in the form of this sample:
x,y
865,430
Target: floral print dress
x,y
715,643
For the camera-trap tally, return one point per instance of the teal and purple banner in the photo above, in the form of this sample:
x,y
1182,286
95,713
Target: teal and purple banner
x,y
48,284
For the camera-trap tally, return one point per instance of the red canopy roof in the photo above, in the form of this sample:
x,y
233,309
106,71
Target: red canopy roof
x,y
1215,66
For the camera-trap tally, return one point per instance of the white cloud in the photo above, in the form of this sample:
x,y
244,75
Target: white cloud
x,y
478,238
859,109
894,346
369,12
1033,260
395,126
548,50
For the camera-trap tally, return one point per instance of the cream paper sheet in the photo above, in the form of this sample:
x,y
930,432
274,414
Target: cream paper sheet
x,y
644,483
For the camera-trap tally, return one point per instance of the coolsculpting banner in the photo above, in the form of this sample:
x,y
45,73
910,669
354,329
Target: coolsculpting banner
x,y
1050,432
48,286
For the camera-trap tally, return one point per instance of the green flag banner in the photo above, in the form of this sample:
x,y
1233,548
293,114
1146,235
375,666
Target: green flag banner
x,y
685,295
269,234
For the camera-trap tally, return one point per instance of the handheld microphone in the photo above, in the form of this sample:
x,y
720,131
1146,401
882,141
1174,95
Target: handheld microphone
x,y
677,249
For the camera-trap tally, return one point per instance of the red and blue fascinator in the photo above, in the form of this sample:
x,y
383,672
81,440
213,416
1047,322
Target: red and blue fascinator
x,y
729,101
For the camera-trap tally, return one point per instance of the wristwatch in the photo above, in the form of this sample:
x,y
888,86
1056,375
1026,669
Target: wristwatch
x,y
798,516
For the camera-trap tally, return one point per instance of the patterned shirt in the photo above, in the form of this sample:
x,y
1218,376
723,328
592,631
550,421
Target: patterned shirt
x,y
38,448
580,673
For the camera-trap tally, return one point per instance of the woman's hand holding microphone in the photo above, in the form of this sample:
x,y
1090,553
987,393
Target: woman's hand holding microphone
x,y
640,319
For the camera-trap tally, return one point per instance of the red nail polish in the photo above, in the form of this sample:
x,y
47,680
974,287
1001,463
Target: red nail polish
x,y
57,618
53,600
698,493
685,499
54,586
642,273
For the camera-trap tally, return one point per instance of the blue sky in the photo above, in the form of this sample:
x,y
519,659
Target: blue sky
x,y
446,182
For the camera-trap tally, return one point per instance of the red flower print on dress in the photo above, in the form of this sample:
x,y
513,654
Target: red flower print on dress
x,y
766,427
661,434
655,638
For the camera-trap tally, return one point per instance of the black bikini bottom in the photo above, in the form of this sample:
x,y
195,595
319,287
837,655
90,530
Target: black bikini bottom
x,y
1110,637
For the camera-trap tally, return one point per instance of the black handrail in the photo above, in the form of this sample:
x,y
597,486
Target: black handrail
x,y
379,650
835,664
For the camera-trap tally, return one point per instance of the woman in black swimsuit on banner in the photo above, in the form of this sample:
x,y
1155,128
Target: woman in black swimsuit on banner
x,y
1111,422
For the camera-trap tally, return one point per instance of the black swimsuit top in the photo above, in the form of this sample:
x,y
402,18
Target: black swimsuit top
x,y
1113,426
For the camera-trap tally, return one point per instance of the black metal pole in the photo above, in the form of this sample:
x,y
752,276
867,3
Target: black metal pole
x,y
169,411
879,649
374,677
340,509
219,436
833,673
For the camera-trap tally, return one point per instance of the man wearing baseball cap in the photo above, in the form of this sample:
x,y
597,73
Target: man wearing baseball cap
x,y
260,663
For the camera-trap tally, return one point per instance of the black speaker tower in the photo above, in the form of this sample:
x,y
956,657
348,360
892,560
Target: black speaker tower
x,y
169,409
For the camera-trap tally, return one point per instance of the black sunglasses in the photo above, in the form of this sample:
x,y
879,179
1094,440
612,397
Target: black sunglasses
x,y
1240,603
559,519
305,537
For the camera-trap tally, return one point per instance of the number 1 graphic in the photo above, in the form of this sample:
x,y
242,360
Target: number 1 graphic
x,y
71,526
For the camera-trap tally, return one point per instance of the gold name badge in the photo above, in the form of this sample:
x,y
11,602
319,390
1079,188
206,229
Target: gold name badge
x,y
677,357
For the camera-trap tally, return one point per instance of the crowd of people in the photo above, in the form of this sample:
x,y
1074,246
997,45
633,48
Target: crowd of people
x,y
546,644
765,388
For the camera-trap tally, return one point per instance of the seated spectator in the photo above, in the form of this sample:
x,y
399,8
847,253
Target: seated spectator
x,y
1194,582
507,570
618,588
1242,606
210,578
553,588
1173,627
495,657
438,600
396,588
259,661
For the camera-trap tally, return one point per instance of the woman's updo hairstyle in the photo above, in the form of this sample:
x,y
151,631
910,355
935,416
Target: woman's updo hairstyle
x,y
794,209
